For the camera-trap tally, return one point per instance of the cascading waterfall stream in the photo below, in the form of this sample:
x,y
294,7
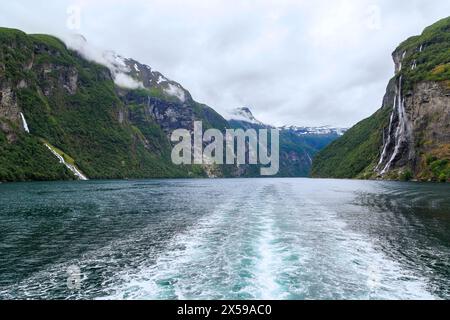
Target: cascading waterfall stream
x,y
387,143
309,158
401,132
403,129
24,122
72,168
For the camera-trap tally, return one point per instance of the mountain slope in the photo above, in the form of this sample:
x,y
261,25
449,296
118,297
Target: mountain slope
x,y
74,105
409,137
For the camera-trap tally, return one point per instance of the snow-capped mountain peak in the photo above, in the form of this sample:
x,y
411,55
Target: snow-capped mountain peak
x,y
245,115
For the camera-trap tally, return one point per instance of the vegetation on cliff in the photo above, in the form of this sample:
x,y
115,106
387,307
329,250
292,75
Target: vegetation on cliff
x,y
423,80
73,104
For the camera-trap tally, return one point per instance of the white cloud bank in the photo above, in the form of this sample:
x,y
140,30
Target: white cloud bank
x,y
114,62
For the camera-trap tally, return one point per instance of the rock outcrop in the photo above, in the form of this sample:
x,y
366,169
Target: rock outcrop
x,y
409,137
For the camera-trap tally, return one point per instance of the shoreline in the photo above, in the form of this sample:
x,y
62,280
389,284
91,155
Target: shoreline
x,y
224,178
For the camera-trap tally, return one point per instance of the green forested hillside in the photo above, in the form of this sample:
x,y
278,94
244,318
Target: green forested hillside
x,y
73,104
355,152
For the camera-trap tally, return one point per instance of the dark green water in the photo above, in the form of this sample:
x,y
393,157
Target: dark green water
x,y
225,239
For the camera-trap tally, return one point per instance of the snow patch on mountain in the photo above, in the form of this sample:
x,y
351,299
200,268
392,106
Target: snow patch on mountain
x,y
324,130
245,115
161,79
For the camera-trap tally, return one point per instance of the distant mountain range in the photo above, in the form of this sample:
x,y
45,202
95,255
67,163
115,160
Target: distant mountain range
x,y
298,146
245,115
325,130
68,111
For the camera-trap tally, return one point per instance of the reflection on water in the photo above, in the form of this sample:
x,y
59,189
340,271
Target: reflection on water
x,y
225,239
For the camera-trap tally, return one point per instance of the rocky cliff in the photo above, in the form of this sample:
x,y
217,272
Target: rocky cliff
x,y
409,137
67,112
63,116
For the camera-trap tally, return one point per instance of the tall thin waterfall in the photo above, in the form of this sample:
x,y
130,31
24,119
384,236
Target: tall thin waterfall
x,y
309,158
401,132
24,122
386,142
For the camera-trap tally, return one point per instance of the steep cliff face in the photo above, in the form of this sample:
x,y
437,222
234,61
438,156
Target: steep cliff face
x,y
409,137
22,156
61,113
418,131
418,135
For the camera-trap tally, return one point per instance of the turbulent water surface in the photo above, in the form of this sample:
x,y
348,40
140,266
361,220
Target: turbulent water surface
x,y
225,239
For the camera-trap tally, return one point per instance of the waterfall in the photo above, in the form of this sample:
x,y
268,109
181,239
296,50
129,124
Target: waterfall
x,y
401,132
309,158
72,168
24,122
388,142
400,64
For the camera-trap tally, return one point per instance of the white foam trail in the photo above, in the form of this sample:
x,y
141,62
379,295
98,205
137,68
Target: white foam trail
x,y
189,264
283,240
72,168
283,244
346,263
229,253
25,124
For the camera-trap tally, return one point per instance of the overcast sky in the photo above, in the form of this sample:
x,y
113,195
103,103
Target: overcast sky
x,y
292,62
